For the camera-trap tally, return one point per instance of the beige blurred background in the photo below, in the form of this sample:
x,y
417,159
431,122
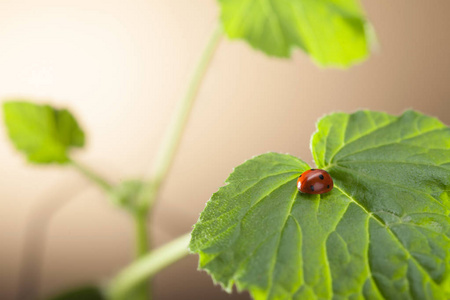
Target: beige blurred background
x,y
121,66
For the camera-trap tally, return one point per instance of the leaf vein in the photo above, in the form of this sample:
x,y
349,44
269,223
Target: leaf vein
x,y
272,268
390,162
399,141
394,184
359,137
395,237
247,189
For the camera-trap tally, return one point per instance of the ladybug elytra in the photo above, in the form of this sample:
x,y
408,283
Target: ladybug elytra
x,y
315,181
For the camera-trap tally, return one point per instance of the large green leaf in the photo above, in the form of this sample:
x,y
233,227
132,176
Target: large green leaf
x,y
43,133
383,232
332,32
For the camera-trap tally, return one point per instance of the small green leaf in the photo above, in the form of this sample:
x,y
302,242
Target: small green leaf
x,y
43,133
81,293
383,232
332,32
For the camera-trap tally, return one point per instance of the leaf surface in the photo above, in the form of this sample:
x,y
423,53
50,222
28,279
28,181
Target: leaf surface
x,y
381,233
332,32
43,133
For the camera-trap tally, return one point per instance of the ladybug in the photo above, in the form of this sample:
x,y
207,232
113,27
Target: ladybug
x,y
315,181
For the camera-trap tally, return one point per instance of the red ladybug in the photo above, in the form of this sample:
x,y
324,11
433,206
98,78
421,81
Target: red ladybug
x,y
315,181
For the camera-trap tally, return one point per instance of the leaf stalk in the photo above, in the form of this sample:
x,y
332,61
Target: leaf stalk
x,y
147,266
172,139
91,175
142,269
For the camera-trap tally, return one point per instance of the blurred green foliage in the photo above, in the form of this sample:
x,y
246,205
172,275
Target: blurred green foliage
x,y
332,32
43,133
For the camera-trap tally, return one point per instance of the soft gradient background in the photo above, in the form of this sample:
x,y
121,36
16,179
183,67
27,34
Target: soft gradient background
x,y
121,66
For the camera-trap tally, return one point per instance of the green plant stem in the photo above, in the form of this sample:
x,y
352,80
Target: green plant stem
x,y
169,147
91,175
142,291
147,266
142,244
